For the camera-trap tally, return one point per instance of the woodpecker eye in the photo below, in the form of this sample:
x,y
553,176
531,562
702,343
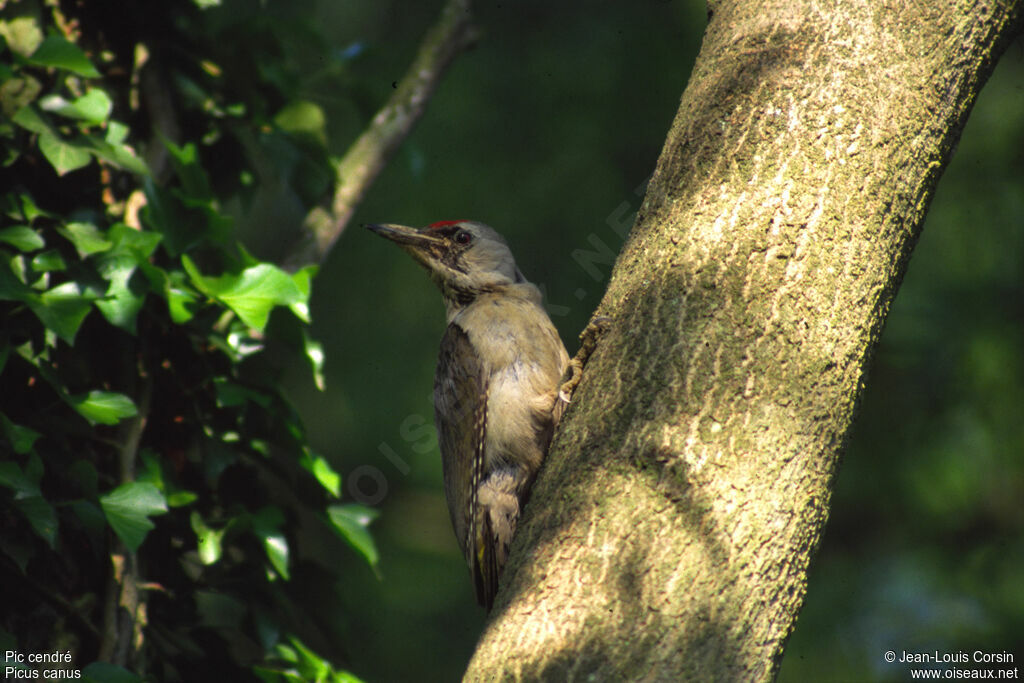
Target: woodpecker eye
x,y
463,237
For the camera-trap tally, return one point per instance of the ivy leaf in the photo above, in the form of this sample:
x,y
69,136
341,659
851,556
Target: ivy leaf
x,y
20,438
62,155
351,522
252,294
181,300
314,351
303,279
141,243
103,407
20,205
124,297
311,666
93,107
22,237
172,286
128,509
12,477
231,394
179,499
323,472
266,525
117,132
150,470
47,261
41,516
182,222
190,172
294,662
116,153
208,539
86,237
59,53
62,309
27,497
121,309
29,119
180,303
12,288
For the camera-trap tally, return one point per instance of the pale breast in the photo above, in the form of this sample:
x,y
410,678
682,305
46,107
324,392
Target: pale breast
x,y
519,408
525,360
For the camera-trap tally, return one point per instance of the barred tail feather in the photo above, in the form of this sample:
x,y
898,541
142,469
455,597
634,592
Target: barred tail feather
x,y
494,524
487,566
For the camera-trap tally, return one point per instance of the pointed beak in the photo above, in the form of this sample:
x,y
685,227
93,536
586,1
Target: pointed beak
x,y
409,238
423,245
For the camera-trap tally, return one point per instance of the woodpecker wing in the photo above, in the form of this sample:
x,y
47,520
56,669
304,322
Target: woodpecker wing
x,y
489,559
460,402
496,397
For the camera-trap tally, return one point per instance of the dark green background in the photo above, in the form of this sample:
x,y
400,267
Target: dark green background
x,y
545,130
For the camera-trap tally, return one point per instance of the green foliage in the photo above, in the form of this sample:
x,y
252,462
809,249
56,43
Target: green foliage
x,y
128,508
351,522
296,663
144,429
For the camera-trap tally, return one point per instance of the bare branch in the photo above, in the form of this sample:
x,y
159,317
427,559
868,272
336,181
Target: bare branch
x,y
121,641
370,153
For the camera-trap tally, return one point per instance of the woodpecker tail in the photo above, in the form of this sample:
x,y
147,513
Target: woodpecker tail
x,y
495,521
486,566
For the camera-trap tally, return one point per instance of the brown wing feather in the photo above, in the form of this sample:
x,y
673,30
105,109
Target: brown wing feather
x,y
487,563
484,505
460,401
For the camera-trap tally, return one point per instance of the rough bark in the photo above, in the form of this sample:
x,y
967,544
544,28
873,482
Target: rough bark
x,y
669,534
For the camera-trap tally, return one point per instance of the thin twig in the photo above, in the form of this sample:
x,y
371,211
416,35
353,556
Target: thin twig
x,y
122,633
369,154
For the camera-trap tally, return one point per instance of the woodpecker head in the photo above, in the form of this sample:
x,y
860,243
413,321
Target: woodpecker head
x,y
464,258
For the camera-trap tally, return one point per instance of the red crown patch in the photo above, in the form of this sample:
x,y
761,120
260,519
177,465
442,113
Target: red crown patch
x,y
443,224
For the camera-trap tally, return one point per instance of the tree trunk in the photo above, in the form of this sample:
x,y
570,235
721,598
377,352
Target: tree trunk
x,y
669,534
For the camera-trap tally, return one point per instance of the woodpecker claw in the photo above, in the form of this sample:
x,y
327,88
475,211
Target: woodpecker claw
x,y
588,342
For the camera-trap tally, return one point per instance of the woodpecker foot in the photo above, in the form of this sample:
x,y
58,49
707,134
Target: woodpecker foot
x,y
589,337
